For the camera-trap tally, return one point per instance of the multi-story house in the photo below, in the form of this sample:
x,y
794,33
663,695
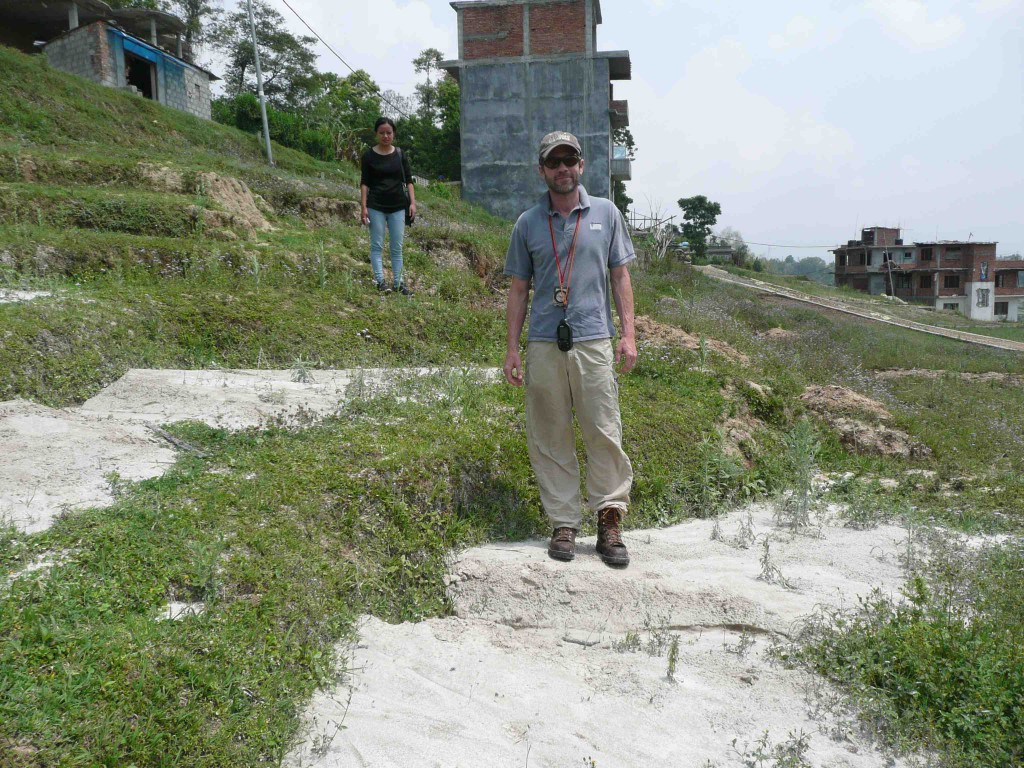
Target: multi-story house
x,y
526,68
963,276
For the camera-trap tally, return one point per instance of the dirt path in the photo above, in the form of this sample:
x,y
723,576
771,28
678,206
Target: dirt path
x,y
880,317
553,664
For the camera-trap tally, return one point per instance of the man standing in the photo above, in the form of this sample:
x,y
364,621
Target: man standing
x,y
570,246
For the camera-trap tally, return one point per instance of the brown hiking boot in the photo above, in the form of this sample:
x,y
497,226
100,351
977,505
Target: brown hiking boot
x,y
563,544
609,537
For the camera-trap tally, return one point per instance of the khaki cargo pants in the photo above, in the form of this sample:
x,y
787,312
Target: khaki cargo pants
x,y
558,383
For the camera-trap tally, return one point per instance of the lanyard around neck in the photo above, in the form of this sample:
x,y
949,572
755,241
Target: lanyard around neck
x,y
570,258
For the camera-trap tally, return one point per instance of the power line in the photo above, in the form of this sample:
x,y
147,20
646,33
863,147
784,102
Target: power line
x,y
772,245
327,45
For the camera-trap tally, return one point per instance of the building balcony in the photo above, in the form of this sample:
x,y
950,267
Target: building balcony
x,y
618,112
622,166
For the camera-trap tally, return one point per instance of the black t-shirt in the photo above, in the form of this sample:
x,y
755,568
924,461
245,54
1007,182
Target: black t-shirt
x,y
385,177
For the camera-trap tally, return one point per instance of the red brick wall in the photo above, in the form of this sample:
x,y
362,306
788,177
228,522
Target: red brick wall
x,y
102,62
558,28
507,19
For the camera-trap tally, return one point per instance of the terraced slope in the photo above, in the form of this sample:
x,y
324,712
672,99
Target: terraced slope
x,y
163,241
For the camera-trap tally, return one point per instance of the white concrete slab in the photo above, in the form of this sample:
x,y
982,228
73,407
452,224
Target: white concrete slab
x,y
57,459
60,459
535,668
12,297
237,399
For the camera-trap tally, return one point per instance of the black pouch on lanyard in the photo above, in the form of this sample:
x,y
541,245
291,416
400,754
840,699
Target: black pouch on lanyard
x,y
564,336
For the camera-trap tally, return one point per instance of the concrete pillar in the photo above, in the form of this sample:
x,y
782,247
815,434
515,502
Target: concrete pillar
x,y
526,29
73,16
589,21
152,30
462,50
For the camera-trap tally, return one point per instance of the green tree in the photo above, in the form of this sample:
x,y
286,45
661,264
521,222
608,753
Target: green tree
x,y
198,15
153,5
431,134
622,137
740,251
620,198
699,216
346,108
396,106
428,63
288,63
449,141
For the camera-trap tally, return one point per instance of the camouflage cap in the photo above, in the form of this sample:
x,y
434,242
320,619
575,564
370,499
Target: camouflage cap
x,y
557,139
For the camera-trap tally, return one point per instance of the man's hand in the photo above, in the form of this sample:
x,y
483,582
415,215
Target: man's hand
x,y
626,353
513,368
364,216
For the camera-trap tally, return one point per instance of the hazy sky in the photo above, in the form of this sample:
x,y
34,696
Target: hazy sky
x,y
804,120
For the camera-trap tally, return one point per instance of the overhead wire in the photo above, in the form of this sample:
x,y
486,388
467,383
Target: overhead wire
x,y
771,245
327,45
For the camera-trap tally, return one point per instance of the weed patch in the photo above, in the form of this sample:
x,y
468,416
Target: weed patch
x,y
942,669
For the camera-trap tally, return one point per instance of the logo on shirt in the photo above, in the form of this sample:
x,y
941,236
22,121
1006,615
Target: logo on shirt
x,y
595,225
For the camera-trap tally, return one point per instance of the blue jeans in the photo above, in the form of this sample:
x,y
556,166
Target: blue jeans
x,y
396,230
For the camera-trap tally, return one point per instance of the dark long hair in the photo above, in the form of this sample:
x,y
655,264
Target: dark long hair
x,y
381,121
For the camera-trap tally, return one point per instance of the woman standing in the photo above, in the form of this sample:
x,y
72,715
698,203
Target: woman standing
x,y
386,180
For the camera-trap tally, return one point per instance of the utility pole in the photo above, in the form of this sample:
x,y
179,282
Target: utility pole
x,y
259,85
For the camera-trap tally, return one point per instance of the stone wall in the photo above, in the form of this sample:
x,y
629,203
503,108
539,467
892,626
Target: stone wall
x,y
174,93
84,52
197,94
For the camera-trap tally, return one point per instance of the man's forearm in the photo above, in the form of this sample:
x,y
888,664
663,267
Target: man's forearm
x,y
622,292
515,311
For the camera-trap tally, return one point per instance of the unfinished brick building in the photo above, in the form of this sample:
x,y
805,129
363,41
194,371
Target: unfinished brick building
x,y
137,49
525,68
962,276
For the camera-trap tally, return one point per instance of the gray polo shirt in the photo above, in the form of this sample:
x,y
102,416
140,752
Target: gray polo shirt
x,y
603,243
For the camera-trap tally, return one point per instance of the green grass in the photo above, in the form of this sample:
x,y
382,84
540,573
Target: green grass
x,y
296,534
288,535
942,670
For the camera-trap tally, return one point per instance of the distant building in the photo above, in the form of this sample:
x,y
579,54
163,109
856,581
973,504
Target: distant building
x,y
526,68
962,276
129,48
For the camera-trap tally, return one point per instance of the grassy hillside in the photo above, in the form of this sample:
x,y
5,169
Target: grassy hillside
x,y
907,311
288,535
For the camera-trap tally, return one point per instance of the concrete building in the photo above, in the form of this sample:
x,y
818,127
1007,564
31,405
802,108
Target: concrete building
x,y
128,48
962,276
525,68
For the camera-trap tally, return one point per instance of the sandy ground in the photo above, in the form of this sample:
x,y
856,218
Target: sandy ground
x,y
11,297
553,664
58,459
543,663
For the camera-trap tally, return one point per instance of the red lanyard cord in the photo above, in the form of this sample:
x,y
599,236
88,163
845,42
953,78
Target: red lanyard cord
x,y
566,276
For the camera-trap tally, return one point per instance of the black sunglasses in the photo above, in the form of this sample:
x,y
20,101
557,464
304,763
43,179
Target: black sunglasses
x,y
569,161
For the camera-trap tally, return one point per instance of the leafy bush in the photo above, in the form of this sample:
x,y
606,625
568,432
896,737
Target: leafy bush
x,y
945,668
